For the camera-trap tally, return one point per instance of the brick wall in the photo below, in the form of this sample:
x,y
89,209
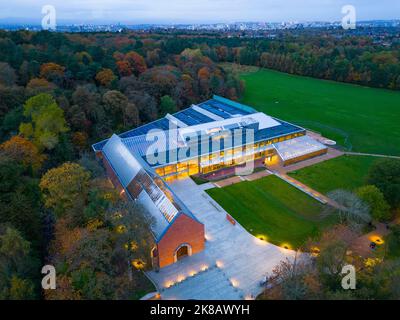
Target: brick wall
x,y
183,230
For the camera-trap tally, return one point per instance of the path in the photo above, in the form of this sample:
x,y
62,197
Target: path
x,y
372,155
233,263
361,244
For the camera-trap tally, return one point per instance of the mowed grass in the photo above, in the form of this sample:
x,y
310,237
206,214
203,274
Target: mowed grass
x,y
367,117
345,172
273,209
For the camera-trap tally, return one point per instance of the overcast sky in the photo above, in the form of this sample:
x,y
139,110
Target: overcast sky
x,y
183,11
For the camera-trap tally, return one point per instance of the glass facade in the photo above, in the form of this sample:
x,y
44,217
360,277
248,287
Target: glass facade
x,y
226,158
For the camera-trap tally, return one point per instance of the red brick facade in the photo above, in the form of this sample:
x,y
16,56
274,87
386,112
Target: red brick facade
x,y
184,230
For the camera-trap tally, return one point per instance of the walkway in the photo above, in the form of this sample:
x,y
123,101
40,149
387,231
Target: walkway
x,y
372,155
233,263
361,245
302,187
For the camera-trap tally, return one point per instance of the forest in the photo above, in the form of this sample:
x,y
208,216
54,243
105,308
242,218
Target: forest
x,y
61,92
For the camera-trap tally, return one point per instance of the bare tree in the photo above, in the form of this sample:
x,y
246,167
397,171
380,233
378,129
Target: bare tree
x,y
351,209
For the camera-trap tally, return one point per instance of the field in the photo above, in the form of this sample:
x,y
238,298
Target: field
x,y
359,118
345,172
272,209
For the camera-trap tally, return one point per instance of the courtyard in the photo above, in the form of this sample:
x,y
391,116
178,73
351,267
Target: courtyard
x,y
233,263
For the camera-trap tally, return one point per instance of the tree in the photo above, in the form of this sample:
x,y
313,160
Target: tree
x,y
17,266
385,174
379,208
65,188
47,121
7,74
136,62
20,201
287,280
105,77
21,289
351,209
52,72
22,150
36,86
167,105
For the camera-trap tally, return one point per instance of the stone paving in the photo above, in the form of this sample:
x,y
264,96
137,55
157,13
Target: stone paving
x,y
233,264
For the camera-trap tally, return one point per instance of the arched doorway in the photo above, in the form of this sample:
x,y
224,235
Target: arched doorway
x,y
182,251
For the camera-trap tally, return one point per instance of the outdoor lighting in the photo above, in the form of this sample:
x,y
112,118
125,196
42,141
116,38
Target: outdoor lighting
x,y
121,228
377,239
234,283
261,240
134,246
180,278
315,251
192,273
138,264
286,246
204,268
219,264
169,284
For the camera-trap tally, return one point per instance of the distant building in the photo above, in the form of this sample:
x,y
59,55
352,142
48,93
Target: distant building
x,y
202,139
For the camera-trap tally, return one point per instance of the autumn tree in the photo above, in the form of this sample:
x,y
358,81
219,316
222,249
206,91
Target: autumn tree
x,y
105,77
52,71
136,62
47,121
22,150
124,68
65,188
36,86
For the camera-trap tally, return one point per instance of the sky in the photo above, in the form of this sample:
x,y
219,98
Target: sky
x,y
196,11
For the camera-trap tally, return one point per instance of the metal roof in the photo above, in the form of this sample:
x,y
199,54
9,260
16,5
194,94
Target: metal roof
x,y
298,147
152,191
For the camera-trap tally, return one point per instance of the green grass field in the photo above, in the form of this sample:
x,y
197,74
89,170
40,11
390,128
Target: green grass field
x,y
271,208
345,172
368,117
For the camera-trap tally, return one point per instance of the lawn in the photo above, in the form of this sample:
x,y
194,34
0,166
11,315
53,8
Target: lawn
x,y
345,172
273,209
359,118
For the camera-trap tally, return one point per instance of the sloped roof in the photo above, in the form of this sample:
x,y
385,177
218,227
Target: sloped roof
x,y
153,192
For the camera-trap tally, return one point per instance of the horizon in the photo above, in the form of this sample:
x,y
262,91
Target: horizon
x,y
135,12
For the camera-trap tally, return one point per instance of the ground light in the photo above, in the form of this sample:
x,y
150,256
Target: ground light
x,y
192,273
219,264
377,239
315,251
234,283
286,246
261,240
204,268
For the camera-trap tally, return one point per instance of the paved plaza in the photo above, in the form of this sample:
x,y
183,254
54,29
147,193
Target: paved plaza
x,y
233,264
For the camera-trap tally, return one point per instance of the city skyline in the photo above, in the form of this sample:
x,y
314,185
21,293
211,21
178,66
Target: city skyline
x,y
191,11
